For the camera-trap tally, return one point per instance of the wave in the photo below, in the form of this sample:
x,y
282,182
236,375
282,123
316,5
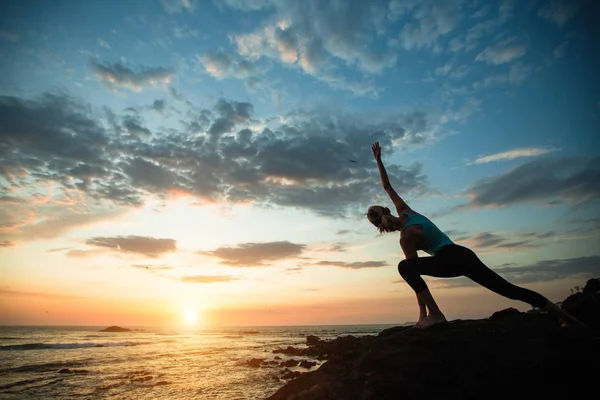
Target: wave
x,y
65,346
44,367
29,382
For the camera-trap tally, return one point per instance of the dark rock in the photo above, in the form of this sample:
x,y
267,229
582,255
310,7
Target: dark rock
x,y
287,374
307,364
508,354
289,363
506,313
585,305
253,362
312,340
115,329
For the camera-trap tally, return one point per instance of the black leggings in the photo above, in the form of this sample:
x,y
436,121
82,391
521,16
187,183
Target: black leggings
x,y
452,261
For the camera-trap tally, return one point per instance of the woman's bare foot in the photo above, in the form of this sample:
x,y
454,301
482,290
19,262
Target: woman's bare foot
x,y
431,320
420,321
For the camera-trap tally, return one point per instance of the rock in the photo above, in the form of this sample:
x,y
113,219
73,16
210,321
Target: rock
x,y
509,354
289,363
254,362
307,364
312,340
585,305
287,374
115,329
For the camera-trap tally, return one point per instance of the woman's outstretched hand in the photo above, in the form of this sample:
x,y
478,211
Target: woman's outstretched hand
x,y
376,151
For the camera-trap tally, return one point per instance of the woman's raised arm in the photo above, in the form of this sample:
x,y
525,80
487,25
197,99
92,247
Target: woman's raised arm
x,y
401,206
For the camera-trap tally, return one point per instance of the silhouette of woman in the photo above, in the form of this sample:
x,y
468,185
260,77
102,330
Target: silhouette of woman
x,y
447,259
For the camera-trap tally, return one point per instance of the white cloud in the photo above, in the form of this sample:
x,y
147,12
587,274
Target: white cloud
x,y
102,43
432,20
513,154
502,52
319,39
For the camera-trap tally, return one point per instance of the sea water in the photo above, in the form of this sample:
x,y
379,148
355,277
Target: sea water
x,y
151,363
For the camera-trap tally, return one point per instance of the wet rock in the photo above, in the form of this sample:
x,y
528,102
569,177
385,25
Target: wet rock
x,y
253,362
288,374
307,364
289,363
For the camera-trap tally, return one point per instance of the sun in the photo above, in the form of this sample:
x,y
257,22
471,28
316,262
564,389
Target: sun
x,y
190,317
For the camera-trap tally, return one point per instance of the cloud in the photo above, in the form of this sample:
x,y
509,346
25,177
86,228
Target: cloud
x,y
256,254
221,64
506,10
136,78
102,43
351,265
513,154
148,246
503,52
548,270
517,72
53,221
487,241
76,253
320,38
177,6
559,11
96,159
571,179
246,5
208,278
5,292
134,126
153,267
431,21
6,243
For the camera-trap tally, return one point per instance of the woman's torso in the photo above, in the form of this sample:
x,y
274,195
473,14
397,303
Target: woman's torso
x,y
432,239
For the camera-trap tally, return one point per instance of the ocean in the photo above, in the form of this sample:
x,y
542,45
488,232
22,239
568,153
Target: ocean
x,y
147,363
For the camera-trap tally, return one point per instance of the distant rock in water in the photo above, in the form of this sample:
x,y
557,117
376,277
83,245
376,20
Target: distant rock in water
x,y
511,354
115,329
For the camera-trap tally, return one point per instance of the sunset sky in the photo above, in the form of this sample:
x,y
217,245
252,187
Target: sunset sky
x,y
208,162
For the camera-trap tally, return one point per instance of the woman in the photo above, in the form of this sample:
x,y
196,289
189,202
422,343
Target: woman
x,y
448,260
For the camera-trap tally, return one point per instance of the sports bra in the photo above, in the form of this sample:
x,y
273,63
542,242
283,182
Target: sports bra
x,y
433,238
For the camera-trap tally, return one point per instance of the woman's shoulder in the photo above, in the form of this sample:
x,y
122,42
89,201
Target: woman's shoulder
x,y
408,210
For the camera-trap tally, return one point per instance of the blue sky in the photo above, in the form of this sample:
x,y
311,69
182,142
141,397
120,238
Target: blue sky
x,y
179,110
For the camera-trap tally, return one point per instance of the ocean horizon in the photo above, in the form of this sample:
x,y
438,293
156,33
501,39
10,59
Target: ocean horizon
x,y
76,362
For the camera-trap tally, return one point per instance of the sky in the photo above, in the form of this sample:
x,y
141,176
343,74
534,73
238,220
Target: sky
x,y
208,163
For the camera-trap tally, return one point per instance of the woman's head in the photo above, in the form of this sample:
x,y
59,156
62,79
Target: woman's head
x,y
381,217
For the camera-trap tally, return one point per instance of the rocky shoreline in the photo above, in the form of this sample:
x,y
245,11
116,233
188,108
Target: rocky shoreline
x,y
509,354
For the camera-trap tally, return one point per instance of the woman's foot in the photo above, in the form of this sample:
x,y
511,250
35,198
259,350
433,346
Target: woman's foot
x,y
431,320
420,320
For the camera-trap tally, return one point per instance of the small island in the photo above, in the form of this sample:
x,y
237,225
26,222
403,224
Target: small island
x,y
115,329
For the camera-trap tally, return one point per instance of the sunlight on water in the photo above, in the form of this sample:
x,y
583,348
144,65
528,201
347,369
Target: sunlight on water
x,y
70,362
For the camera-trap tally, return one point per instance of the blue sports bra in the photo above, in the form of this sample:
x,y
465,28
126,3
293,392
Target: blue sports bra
x,y
433,237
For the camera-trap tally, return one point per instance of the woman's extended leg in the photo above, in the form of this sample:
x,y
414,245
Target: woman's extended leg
x,y
477,271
